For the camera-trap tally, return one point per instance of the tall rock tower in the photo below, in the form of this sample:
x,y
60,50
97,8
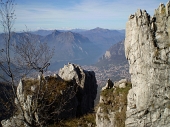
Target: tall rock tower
x,y
147,48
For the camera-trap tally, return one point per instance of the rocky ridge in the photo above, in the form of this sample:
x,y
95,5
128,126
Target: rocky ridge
x,y
147,48
75,82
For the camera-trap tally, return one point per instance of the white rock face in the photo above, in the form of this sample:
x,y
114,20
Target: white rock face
x,y
121,83
72,71
107,54
147,48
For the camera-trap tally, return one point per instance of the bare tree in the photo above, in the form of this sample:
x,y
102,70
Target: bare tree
x,y
31,54
50,95
48,98
7,20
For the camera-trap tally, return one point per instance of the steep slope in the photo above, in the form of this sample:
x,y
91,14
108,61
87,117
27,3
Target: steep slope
x,y
147,48
114,55
72,47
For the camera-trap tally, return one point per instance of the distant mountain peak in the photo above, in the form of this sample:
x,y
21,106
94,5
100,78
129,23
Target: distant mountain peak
x,y
56,32
98,29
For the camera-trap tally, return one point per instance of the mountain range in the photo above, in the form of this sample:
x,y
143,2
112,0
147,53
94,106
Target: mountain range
x,y
71,47
78,46
103,37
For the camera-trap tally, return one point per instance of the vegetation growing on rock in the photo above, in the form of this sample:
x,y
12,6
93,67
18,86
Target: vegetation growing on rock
x,y
113,105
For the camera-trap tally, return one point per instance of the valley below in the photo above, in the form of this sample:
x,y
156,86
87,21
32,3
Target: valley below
x,y
85,78
102,55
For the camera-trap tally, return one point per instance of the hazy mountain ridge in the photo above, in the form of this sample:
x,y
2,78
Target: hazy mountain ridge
x,y
42,32
98,35
18,37
104,37
73,47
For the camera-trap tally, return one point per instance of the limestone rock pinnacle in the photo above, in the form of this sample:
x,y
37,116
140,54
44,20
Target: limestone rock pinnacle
x,y
147,48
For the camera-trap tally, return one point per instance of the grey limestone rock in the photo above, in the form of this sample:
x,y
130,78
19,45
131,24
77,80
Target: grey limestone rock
x,y
121,83
87,83
147,48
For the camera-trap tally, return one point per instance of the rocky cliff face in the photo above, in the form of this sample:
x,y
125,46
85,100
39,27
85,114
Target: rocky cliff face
x,y
147,48
69,94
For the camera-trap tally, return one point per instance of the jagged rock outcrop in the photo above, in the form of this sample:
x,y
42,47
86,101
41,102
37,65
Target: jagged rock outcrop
x,y
87,89
147,48
75,91
111,111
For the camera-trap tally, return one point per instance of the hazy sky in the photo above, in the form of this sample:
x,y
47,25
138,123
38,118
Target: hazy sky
x,y
84,14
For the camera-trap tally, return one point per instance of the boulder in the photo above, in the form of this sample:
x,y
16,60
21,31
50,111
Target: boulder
x,y
121,84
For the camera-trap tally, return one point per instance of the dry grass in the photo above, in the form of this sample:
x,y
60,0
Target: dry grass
x,y
83,121
27,86
50,97
52,85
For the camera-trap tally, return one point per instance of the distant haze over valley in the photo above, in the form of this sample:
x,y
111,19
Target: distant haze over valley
x,y
102,48
78,46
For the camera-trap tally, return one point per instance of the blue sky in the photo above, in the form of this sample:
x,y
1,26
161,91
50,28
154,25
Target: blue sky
x,y
83,14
